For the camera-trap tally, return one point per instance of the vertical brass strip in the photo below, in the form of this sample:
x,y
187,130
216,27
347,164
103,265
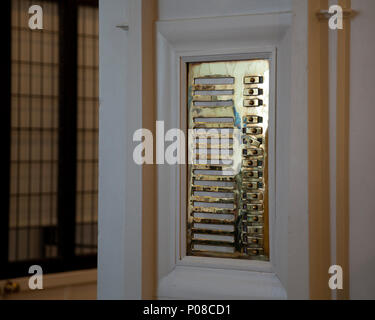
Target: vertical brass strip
x,y
342,151
318,152
183,190
149,173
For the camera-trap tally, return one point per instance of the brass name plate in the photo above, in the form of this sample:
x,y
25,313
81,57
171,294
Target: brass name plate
x,y
228,111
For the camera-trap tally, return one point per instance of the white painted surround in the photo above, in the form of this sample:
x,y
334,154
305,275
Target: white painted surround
x,y
280,29
209,278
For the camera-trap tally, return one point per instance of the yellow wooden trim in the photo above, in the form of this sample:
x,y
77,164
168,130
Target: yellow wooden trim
x,y
149,172
342,151
318,152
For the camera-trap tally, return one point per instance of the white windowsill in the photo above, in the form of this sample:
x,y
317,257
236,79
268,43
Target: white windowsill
x,y
220,284
223,263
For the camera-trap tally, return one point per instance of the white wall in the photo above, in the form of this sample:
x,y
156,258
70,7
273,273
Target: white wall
x,y
120,114
182,9
362,152
297,201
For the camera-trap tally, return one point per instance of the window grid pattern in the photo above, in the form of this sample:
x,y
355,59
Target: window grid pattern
x,y
34,228
34,133
87,135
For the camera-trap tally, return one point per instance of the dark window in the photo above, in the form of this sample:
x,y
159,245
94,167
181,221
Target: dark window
x,y
50,138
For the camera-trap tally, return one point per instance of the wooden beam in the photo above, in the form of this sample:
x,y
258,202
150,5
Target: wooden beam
x,y
149,182
6,113
318,152
67,139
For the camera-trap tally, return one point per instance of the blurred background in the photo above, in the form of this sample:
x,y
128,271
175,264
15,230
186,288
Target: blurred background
x,y
50,150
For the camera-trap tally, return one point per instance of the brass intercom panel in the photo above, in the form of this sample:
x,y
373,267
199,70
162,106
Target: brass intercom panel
x,y
228,116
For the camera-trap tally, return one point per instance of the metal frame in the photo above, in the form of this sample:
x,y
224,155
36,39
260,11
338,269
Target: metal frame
x,y
67,167
5,133
240,246
251,53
